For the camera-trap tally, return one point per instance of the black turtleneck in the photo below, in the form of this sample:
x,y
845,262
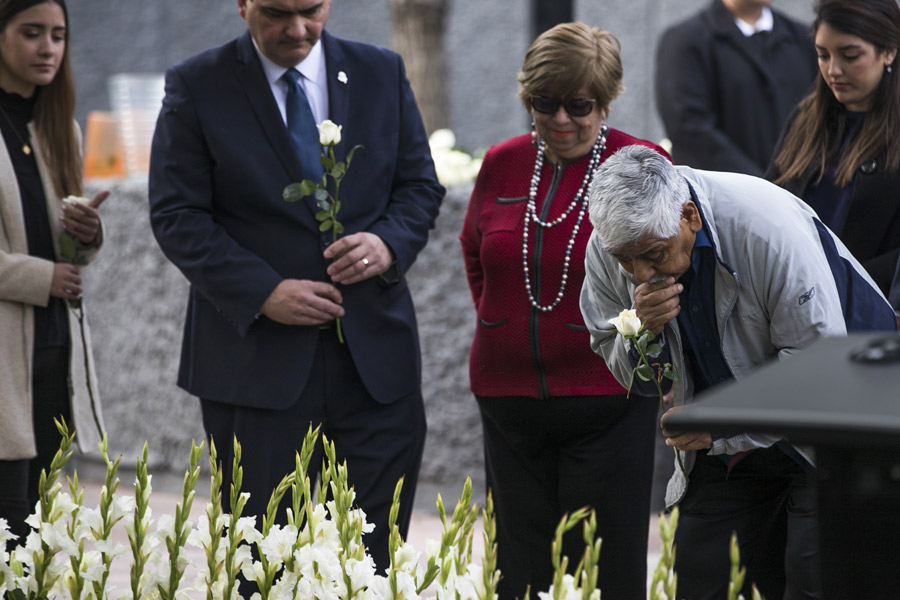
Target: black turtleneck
x,y
50,323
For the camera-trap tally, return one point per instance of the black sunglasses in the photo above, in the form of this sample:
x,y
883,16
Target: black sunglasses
x,y
576,107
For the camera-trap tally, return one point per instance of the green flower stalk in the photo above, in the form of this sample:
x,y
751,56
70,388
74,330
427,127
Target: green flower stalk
x,y
738,573
178,538
489,572
76,582
214,525
665,582
109,516
329,204
561,580
44,576
137,532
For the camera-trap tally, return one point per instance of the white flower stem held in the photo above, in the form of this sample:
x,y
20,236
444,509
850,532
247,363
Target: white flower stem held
x,y
329,205
531,215
629,326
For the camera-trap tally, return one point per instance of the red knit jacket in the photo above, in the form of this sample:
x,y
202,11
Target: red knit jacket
x,y
519,350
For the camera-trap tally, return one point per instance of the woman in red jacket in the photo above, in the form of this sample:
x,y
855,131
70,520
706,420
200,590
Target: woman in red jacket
x,y
559,431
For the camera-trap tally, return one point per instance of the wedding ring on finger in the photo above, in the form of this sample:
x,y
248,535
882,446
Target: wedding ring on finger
x,y
365,261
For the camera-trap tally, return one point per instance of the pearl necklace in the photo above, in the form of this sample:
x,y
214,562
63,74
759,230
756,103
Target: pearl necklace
x,y
531,215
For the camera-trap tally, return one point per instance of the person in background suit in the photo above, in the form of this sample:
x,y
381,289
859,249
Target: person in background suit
x,y
726,80
840,151
260,348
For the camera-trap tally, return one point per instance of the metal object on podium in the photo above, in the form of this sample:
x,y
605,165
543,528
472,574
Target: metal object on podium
x,y
842,397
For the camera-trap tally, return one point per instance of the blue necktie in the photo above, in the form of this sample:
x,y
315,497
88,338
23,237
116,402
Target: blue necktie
x,y
302,126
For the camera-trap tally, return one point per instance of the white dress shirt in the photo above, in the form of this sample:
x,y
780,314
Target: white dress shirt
x,y
312,71
764,23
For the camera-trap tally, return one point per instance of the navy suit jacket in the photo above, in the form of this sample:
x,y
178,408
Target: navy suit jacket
x,y
220,159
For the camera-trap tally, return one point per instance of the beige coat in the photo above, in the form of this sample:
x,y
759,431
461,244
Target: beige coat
x,y
25,283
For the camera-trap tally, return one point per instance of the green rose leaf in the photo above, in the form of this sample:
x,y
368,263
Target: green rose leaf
x,y
326,225
351,153
308,187
339,170
322,215
645,372
670,372
339,229
646,338
327,162
654,350
323,200
293,192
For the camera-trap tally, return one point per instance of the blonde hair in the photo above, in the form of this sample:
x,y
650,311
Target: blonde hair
x,y
568,57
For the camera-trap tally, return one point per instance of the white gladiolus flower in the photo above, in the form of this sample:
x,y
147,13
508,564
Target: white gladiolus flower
x,y
246,530
279,543
92,567
329,133
627,323
361,572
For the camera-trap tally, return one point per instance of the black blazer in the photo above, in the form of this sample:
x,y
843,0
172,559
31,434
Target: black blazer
x,y
220,158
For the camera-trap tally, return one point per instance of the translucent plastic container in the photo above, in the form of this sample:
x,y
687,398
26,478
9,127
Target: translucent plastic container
x,y
135,99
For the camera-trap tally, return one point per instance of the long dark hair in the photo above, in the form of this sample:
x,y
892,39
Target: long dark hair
x,y
54,111
814,138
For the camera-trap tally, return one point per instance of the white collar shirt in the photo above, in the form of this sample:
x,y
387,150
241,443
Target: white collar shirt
x,y
313,81
764,23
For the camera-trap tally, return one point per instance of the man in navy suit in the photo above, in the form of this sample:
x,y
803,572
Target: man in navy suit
x,y
260,348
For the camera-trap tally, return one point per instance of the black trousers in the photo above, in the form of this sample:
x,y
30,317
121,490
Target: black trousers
x,y
545,458
380,442
769,500
50,399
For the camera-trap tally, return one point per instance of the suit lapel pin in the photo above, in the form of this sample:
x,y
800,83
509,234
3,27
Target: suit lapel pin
x,y
342,77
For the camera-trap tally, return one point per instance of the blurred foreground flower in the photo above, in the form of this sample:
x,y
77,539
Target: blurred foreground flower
x,y
453,166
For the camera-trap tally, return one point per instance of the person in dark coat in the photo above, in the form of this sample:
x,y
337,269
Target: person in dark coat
x,y
261,348
841,149
726,80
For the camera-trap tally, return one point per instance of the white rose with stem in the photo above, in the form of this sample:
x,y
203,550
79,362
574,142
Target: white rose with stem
x,y
329,204
630,326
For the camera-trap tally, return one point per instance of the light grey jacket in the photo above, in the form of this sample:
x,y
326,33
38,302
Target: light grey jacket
x,y
25,283
775,292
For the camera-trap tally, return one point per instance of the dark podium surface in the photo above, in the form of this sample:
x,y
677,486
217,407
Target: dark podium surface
x,y
849,411
818,395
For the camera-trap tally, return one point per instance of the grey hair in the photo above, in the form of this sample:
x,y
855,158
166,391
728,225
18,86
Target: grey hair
x,y
635,193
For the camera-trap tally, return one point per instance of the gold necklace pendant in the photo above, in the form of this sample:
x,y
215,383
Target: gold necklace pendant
x,y
26,149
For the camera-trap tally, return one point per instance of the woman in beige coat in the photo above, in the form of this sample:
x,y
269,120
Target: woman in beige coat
x,y
46,369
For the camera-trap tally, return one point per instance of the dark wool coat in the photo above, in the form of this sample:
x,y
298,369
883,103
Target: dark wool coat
x,y
723,97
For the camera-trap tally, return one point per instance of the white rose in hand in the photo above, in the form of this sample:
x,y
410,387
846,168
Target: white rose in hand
x,y
329,133
627,323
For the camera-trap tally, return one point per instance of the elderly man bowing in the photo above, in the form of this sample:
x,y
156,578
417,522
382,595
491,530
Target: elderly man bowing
x,y
261,348
729,271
